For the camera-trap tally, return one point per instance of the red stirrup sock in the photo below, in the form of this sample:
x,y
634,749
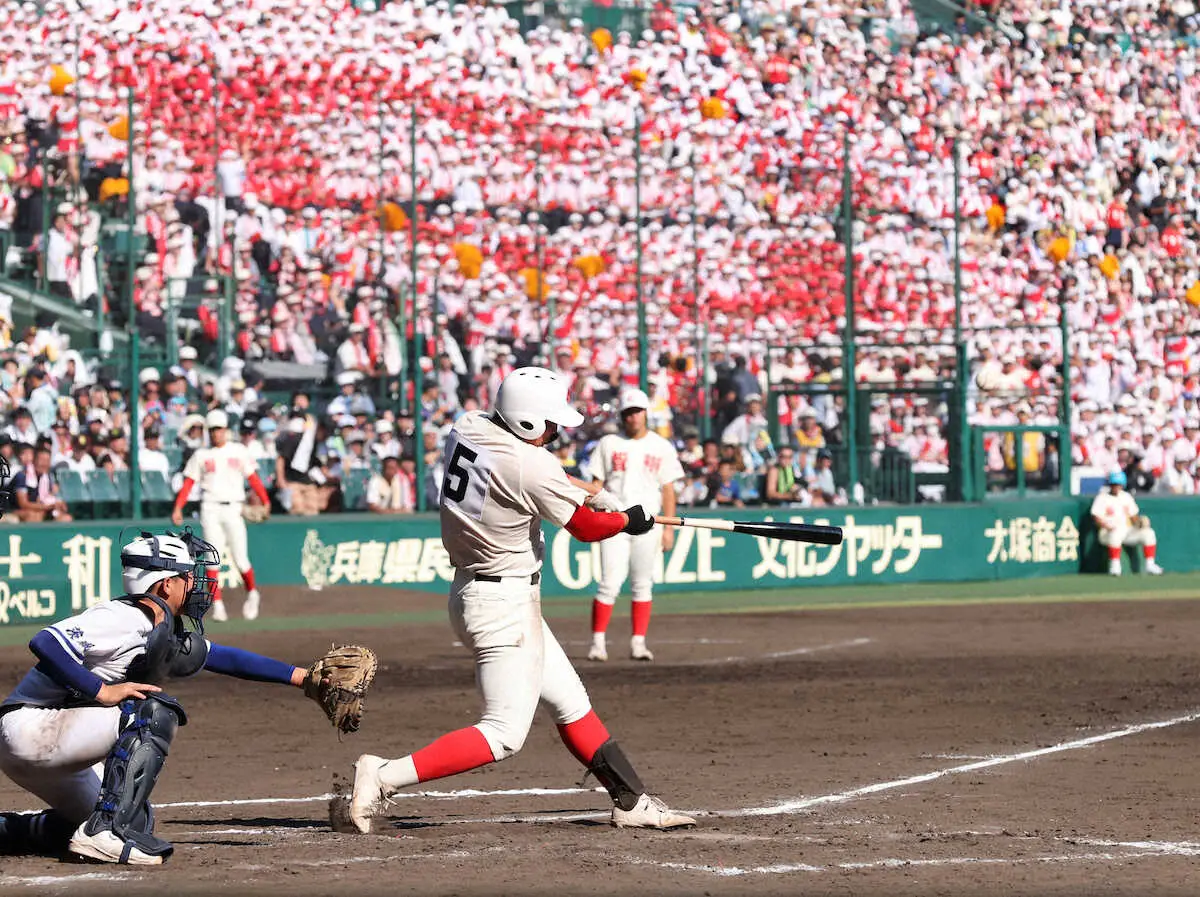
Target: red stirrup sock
x,y
641,616
584,737
453,753
601,614
1151,550
1114,552
248,578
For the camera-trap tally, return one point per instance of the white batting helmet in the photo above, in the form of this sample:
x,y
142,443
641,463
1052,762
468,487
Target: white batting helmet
x,y
531,398
217,420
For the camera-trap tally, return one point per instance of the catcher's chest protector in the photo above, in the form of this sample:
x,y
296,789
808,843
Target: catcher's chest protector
x,y
171,653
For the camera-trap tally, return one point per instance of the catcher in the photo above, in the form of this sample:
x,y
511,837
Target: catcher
x,y
88,729
1120,523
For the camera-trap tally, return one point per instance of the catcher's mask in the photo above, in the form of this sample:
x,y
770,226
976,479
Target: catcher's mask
x,y
174,554
5,492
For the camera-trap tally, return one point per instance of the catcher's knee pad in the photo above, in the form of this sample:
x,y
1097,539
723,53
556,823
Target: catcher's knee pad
x,y
131,771
613,770
46,832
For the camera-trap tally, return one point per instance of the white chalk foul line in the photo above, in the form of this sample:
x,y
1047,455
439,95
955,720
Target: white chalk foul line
x,y
807,803
43,881
460,794
794,652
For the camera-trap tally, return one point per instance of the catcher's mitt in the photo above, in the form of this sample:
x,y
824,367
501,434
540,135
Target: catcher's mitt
x,y
339,682
1141,521
255,513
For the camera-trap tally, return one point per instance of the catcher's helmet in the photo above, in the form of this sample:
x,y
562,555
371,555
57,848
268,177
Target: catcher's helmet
x,y
150,558
1117,478
529,399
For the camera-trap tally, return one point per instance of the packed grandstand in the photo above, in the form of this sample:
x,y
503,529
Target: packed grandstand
x,y
273,147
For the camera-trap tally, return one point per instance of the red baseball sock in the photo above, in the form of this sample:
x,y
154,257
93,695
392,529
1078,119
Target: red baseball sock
x,y
215,574
1114,552
601,614
1150,552
453,753
641,616
248,578
584,737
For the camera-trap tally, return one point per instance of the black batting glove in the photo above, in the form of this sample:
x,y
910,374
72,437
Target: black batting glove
x,y
639,521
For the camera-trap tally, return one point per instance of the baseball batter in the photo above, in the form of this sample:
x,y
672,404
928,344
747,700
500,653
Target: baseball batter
x,y
88,729
1119,523
222,470
638,468
499,484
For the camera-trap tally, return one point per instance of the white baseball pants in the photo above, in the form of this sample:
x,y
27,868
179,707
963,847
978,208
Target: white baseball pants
x,y
1118,536
59,755
225,528
518,661
635,556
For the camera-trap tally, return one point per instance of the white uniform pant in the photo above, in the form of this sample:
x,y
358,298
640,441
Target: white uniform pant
x,y
59,755
225,528
1118,536
635,556
518,661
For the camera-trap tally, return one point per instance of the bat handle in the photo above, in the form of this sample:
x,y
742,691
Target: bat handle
x,y
668,521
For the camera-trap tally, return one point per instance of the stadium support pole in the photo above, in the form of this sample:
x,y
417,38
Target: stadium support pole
x,y
643,348
418,416
701,327
135,426
1064,421
966,476
379,199
131,214
43,272
542,295
218,199
412,264
849,362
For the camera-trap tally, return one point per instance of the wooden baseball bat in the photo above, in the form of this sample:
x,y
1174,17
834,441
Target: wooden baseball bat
x,y
790,532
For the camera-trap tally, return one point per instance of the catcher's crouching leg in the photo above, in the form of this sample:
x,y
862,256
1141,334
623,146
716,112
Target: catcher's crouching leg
x,y
121,828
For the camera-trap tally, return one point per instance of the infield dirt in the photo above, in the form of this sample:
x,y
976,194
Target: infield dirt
x,y
739,713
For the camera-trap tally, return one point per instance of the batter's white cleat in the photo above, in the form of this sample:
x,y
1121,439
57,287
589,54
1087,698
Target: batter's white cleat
x,y
650,812
1114,568
218,612
598,651
1152,567
638,649
108,848
368,798
250,608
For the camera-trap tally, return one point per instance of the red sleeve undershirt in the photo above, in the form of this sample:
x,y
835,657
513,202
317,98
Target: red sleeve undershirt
x,y
184,491
259,489
587,525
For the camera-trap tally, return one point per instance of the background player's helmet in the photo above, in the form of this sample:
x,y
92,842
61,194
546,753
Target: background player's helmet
x,y
634,399
5,490
149,559
1117,478
531,398
216,420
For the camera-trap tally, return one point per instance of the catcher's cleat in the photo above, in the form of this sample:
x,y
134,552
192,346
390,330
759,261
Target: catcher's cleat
x,y
1114,568
1152,567
218,612
106,847
650,812
250,608
368,798
638,649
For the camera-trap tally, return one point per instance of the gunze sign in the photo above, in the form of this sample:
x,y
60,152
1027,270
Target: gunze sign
x,y
50,570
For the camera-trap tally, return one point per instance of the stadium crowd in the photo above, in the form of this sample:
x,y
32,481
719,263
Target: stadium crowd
x,y
272,145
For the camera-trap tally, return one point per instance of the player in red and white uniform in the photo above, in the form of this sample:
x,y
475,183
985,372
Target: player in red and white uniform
x,y
500,484
1115,513
637,468
222,470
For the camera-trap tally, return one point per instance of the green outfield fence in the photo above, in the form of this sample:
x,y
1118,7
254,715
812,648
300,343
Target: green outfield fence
x,y
49,571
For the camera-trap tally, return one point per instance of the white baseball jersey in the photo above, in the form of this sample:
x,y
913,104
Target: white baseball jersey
x,y
496,490
221,472
635,470
105,639
1114,510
